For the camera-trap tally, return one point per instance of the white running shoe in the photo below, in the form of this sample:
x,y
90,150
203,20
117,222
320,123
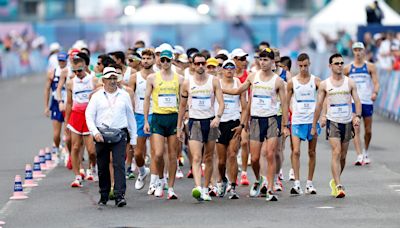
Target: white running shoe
x,y
89,175
311,190
205,195
366,159
255,189
359,160
277,187
271,196
296,190
139,184
152,189
291,175
280,176
159,192
179,173
171,194
77,183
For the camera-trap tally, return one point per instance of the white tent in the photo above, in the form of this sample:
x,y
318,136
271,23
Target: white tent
x,y
348,15
165,14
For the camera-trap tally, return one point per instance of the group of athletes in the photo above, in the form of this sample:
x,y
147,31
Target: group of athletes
x,y
212,108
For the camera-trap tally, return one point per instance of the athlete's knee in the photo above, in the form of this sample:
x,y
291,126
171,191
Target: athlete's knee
x,y
255,159
270,156
296,153
311,154
231,156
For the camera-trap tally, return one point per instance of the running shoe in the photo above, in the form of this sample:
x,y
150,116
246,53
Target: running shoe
x,y
213,191
255,189
205,195
222,189
271,196
152,189
367,160
171,194
340,191
69,162
179,173
291,175
89,175
280,176
310,190
77,183
264,188
244,180
196,193
129,174
278,186
189,174
159,189
296,190
359,160
233,194
332,185
139,184
82,173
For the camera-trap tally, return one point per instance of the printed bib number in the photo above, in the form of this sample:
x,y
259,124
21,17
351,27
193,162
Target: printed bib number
x,y
201,103
262,102
167,100
342,110
229,106
141,104
305,106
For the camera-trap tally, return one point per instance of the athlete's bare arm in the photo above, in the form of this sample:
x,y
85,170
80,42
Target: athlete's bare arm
x,y
318,106
184,93
289,91
281,90
357,102
346,70
61,82
288,76
375,80
132,82
243,104
47,88
245,86
146,106
68,105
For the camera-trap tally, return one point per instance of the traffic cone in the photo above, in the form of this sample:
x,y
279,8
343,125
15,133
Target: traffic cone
x,y
18,189
48,159
29,177
37,172
42,160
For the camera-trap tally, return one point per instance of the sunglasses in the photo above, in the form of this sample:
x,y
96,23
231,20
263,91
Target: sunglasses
x,y
200,63
99,63
243,58
338,63
80,70
220,65
165,60
229,67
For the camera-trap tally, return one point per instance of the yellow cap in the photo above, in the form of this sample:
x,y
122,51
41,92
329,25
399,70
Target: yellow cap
x,y
212,62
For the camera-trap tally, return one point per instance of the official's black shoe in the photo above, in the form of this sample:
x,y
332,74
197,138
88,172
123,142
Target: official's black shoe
x,y
120,202
103,201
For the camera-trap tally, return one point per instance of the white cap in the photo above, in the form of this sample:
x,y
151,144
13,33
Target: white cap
x,y
79,44
224,52
358,45
109,71
54,46
238,52
178,49
166,46
183,58
378,36
229,61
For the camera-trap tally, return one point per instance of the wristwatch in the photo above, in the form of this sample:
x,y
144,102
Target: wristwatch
x,y
219,116
242,125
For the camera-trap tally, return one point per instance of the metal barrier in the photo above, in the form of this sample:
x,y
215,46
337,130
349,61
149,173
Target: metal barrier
x,y
387,103
15,64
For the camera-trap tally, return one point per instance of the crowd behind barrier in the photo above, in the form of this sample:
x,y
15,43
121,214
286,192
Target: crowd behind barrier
x,y
17,64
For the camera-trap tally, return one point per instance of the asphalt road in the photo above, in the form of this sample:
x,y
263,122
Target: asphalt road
x,y
372,200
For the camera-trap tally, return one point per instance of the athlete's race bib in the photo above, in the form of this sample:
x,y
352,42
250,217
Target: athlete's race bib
x,y
262,102
230,106
305,106
141,104
167,101
201,103
340,110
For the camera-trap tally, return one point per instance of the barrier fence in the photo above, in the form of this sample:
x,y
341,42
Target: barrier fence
x,y
17,64
387,103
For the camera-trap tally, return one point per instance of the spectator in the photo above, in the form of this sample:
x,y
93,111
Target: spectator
x,y
374,14
386,50
370,47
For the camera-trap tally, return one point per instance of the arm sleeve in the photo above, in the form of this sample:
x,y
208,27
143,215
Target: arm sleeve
x,y
132,128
